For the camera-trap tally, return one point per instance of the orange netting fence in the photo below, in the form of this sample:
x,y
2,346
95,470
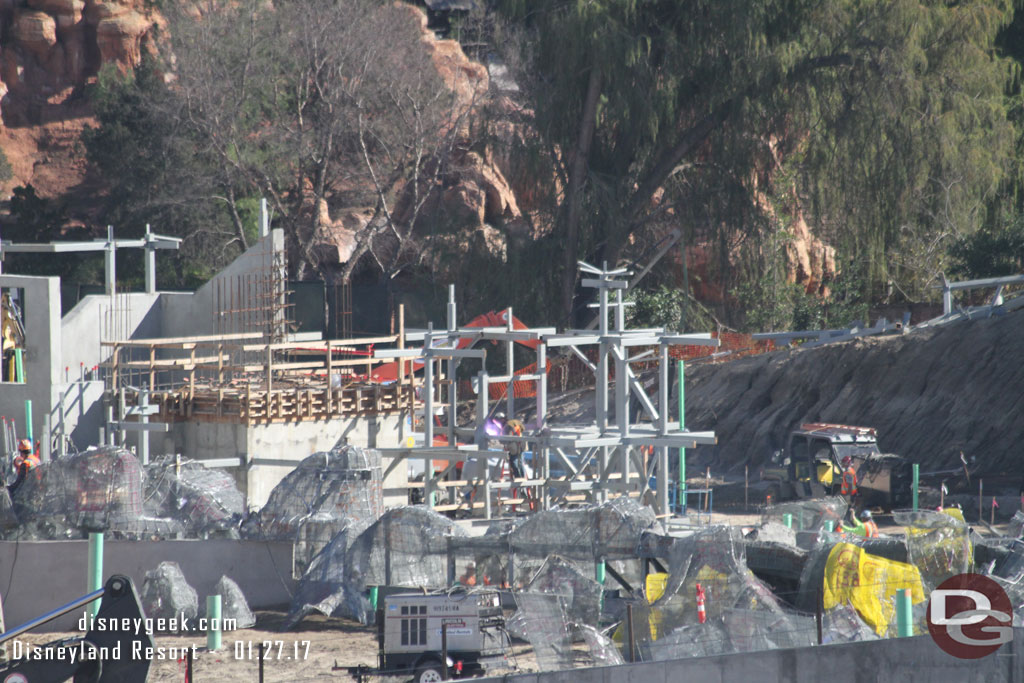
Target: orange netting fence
x,y
569,372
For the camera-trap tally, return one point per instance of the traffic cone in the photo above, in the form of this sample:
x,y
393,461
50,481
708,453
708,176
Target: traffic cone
x,y
702,614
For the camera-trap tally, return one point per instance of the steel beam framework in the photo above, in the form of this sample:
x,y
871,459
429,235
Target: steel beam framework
x,y
609,457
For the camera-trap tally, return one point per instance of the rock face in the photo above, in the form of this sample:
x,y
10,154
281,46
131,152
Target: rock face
x,y
49,49
58,44
930,393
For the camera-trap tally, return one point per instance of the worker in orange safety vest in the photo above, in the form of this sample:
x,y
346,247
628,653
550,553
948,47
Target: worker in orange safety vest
x,y
870,528
24,462
849,484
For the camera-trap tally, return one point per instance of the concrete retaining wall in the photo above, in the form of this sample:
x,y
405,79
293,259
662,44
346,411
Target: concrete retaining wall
x,y
42,360
270,451
43,575
886,661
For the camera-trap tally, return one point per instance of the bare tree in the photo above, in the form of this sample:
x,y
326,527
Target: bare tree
x,y
318,104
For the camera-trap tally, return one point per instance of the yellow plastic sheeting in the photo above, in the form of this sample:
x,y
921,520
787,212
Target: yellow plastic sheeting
x,y
868,583
655,589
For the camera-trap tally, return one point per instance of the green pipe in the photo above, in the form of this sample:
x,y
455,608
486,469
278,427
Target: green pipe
x,y
373,597
682,426
213,635
904,614
916,479
95,577
28,419
19,367
599,571
787,519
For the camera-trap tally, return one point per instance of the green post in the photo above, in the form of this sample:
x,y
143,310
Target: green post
x,y
916,479
373,597
599,571
213,623
19,367
28,419
830,525
800,520
904,614
95,577
787,519
682,426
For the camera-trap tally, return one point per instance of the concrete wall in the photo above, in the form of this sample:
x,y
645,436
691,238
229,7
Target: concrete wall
x,y
96,317
271,451
886,661
262,570
42,359
192,315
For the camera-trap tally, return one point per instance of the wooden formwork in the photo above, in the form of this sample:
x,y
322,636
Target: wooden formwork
x,y
234,378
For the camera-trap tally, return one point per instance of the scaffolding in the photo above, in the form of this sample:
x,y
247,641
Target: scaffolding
x,y
610,457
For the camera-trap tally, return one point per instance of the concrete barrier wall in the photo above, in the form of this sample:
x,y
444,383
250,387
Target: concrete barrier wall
x,y
887,661
38,576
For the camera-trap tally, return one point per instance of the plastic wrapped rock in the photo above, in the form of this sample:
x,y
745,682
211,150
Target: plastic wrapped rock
x,y
167,595
326,493
407,546
580,595
205,500
808,515
603,650
100,489
233,603
544,624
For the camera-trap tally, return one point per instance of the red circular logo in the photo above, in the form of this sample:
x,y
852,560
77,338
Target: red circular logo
x,y
970,616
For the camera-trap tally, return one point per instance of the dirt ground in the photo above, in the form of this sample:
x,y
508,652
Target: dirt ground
x,y
320,649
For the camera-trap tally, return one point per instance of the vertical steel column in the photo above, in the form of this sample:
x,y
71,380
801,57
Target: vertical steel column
x,y
453,364
264,218
110,264
542,411
144,418
428,417
663,363
682,428
510,392
150,262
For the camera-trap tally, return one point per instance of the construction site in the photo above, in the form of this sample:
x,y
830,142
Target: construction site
x,y
607,503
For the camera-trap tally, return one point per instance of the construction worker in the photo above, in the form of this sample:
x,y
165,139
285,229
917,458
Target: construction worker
x,y
870,528
849,480
24,462
468,577
515,448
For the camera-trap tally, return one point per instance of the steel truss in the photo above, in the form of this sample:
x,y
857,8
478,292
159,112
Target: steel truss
x,y
604,458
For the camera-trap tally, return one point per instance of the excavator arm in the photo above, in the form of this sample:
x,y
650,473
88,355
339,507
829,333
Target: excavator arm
x,y
99,656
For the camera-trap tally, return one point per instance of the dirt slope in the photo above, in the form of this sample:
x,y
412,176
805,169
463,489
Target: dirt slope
x,y
931,393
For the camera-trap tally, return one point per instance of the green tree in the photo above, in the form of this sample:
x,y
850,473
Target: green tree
x,y
892,111
159,173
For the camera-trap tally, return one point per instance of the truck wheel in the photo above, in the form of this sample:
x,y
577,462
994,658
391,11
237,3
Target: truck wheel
x,y
428,672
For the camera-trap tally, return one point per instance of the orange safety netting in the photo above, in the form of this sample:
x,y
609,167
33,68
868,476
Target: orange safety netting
x,y
526,388
736,344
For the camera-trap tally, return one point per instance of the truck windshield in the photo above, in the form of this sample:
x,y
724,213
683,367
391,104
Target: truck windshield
x,y
855,450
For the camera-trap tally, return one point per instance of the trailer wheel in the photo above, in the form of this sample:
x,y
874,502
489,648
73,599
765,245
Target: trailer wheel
x,y
428,672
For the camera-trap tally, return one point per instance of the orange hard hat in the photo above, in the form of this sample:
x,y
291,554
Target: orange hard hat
x,y
25,446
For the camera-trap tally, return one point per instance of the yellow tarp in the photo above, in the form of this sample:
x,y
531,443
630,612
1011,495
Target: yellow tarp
x,y
868,583
655,588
